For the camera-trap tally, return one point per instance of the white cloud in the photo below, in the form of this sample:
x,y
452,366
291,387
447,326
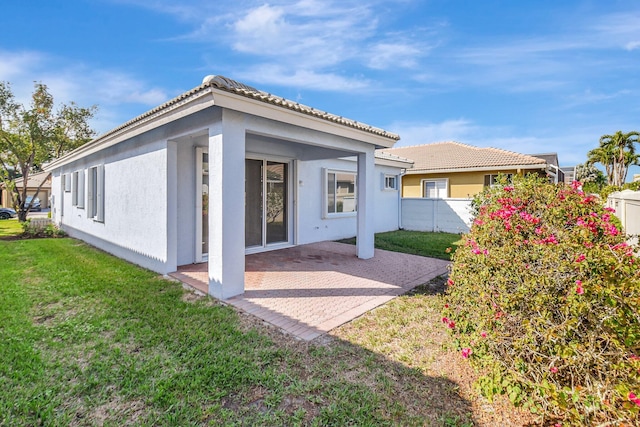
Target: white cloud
x,y
118,94
393,55
277,75
318,39
14,64
633,45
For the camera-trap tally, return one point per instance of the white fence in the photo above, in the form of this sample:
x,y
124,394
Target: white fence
x,y
448,215
627,206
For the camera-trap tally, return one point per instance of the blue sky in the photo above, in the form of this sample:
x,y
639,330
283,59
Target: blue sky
x,y
528,76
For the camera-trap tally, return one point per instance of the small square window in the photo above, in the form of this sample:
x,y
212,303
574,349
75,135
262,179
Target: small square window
x,y
390,182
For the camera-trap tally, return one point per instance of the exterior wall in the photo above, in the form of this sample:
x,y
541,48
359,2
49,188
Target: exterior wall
x,y
627,208
448,215
135,205
461,184
150,189
314,226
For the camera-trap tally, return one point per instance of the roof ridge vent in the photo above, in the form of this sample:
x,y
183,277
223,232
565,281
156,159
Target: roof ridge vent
x,y
227,83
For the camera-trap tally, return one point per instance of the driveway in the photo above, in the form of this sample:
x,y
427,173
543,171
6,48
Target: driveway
x,y
310,289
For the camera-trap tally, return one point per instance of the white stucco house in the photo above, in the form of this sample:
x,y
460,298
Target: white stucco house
x,y
224,170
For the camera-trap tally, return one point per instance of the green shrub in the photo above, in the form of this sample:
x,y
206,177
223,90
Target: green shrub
x,y
32,229
543,298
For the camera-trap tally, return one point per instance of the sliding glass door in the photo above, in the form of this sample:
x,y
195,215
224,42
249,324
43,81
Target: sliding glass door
x,y
266,203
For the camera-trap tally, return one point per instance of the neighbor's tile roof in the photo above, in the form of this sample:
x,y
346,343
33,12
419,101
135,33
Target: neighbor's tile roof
x,y
36,179
451,155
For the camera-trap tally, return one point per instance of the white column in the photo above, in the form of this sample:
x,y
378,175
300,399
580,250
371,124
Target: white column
x,y
366,183
226,206
172,206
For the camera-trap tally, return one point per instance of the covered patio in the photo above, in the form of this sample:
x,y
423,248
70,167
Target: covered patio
x,y
308,290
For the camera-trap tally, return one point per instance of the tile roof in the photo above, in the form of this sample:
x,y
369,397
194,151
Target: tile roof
x,y
450,155
36,179
232,86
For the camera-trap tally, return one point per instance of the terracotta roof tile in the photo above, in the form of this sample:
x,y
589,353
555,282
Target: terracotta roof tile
x,y
452,155
232,86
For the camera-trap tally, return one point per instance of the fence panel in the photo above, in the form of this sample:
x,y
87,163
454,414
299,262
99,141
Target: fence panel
x,y
448,215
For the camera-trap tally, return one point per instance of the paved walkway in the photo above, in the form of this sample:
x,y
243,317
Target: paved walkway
x,y
310,289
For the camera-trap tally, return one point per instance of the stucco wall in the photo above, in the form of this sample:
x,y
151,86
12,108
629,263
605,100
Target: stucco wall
x,y
314,226
135,182
461,185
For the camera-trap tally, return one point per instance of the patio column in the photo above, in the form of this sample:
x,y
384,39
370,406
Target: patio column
x,y
365,232
226,206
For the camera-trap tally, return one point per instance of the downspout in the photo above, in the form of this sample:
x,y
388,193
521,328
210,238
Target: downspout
x,y
402,173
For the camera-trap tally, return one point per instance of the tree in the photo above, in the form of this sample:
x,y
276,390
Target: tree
x,y
616,153
592,178
30,137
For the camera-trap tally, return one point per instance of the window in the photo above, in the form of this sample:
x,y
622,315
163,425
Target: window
x,y
492,180
66,182
95,193
77,192
390,182
341,192
435,188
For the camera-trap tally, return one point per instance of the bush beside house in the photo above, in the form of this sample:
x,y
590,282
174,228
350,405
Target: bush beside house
x,y
544,298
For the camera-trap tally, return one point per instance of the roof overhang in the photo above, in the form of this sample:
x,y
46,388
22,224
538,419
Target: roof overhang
x,y
477,169
225,93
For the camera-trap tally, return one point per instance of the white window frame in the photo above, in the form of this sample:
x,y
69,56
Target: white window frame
x,y
386,178
424,182
77,192
95,193
66,182
325,194
493,177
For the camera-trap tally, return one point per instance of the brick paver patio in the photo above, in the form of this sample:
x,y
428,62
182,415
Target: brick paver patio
x,y
310,289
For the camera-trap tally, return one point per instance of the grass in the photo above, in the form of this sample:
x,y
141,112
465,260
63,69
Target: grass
x,y
89,339
9,228
434,245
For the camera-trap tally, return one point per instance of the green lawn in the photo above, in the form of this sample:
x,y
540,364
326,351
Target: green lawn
x,y
89,339
9,227
416,242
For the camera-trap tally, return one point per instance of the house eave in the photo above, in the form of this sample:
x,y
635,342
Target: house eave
x,y
157,117
540,166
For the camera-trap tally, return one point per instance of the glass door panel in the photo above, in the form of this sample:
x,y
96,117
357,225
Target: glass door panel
x,y
276,202
205,203
253,202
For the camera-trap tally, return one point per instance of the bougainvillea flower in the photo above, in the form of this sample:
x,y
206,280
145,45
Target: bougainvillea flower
x,y
466,352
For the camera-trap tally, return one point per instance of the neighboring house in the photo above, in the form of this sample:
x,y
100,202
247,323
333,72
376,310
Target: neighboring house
x,y
224,170
569,174
35,180
453,170
554,171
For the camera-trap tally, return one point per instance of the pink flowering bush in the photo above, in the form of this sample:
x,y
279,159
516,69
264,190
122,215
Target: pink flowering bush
x,y
544,299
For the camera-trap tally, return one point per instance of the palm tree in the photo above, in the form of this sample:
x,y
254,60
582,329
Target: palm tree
x,y
616,153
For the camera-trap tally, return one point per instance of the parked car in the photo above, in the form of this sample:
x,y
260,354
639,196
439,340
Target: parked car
x,y
6,213
36,204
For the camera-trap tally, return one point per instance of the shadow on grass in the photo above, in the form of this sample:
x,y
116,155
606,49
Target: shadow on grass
x,y
90,339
